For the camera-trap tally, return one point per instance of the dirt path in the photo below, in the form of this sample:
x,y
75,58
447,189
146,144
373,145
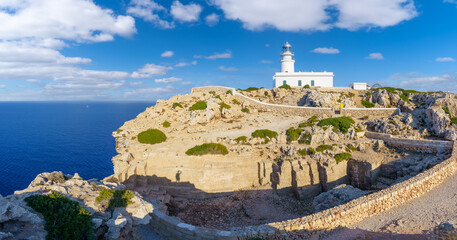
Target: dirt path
x,y
410,220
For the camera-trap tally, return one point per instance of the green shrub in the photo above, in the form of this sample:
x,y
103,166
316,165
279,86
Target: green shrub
x,y
166,124
176,104
285,86
303,152
342,157
242,139
115,198
367,104
234,101
208,148
250,89
307,86
305,138
265,93
293,134
134,137
200,105
212,92
351,148
340,123
411,91
152,136
454,120
404,98
309,123
218,97
245,110
358,129
224,105
311,151
64,218
119,130
446,110
368,94
229,92
264,133
324,147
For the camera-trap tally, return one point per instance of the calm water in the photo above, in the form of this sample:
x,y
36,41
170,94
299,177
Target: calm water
x,y
67,137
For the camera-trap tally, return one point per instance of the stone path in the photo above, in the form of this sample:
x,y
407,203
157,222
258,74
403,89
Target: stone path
x,y
409,221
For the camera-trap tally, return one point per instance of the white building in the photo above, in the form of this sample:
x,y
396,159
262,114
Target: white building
x,y
299,79
359,86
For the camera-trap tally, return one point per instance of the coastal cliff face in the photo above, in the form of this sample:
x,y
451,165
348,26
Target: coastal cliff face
x,y
164,168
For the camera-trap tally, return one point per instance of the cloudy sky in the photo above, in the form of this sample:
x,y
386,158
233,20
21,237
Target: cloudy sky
x,y
127,50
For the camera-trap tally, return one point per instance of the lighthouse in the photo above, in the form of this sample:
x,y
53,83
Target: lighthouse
x,y
299,79
287,61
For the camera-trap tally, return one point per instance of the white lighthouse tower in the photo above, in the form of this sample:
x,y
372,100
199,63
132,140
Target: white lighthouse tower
x,y
299,79
287,62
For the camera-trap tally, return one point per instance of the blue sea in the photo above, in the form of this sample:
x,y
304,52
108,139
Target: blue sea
x,y
70,137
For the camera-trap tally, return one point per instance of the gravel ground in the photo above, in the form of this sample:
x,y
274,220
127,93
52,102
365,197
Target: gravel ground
x,y
410,221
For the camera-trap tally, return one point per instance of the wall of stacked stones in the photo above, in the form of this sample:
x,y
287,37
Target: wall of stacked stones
x,y
301,111
420,145
370,112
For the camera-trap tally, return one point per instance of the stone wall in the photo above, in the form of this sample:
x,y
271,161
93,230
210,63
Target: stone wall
x,y
412,144
371,112
302,111
340,216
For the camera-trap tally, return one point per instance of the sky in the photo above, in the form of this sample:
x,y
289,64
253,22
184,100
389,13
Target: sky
x,y
144,50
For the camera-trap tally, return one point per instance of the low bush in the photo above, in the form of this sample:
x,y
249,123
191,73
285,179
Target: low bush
x,y
309,123
265,93
351,148
229,92
241,139
340,123
176,104
264,133
212,92
302,152
207,148
367,104
115,198
224,105
307,86
311,151
454,120
119,130
293,134
358,129
286,86
324,147
250,89
305,138
64,218
218,97
152,136
234,101
166,124
200,105
342,157
404,98
245,110
446,110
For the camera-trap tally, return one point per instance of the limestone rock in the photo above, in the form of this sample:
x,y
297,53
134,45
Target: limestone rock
x,y
337,196
359,173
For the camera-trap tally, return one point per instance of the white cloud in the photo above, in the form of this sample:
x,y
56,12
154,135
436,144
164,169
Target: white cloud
x,y
136,83
147,10
2,86
167,54
186,83
267,45
266,61
375,56
228,69
227,54
212,19
445,59
421,82
149,91
450,1
317,15
184,64
185,13
77,20
325,50
150,70
168,80
32,80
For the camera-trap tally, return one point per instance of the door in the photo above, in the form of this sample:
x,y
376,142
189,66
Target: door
x,y
284,82
299,83
312,83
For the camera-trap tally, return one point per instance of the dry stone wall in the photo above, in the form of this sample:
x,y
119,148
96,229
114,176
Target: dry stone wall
x,y
343,215
421,145
371,112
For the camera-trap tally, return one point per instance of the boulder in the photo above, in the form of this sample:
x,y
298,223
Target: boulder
x,y
337,196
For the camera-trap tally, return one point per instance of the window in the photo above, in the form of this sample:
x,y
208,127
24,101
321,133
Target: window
x,y
312,83
284,82
299,83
